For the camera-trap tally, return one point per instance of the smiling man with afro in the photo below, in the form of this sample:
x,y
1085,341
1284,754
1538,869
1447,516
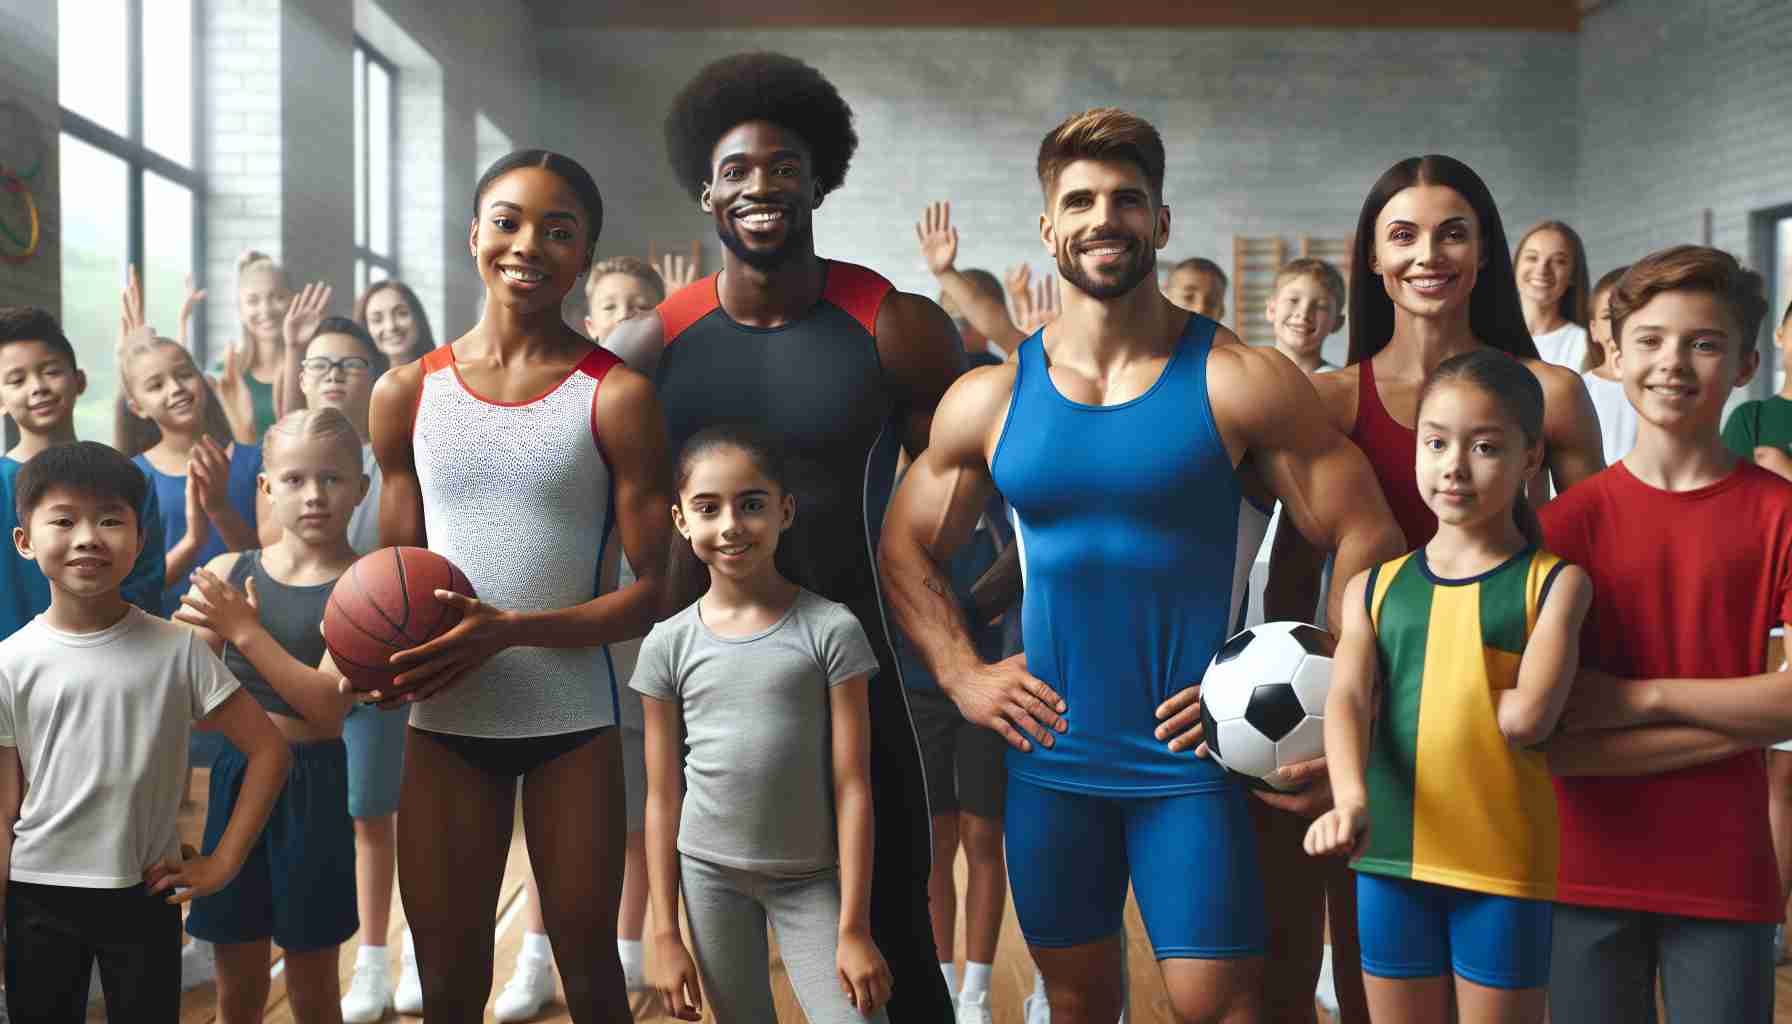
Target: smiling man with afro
x,y
842,372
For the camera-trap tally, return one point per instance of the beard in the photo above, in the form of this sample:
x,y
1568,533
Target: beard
x,y
1142,265
798,243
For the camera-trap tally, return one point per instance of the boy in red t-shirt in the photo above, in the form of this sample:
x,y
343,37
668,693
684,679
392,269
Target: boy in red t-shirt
x,y
1666,854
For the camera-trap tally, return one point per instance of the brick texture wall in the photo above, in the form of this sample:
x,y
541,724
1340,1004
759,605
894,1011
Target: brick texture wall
x,y
1267,132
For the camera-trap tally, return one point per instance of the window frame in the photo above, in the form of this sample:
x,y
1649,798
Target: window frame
x,y
366,258
139,158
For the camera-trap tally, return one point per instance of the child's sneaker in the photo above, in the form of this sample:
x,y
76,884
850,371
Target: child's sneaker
x,y
407,998
197,965
974,1008
527,992
369,992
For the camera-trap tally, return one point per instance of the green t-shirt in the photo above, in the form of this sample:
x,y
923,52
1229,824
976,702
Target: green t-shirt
x,y
1760,423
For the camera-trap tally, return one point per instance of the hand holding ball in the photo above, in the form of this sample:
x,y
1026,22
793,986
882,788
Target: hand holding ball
x,y
386,603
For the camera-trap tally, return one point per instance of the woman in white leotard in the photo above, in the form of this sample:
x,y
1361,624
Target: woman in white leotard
x,y
519,452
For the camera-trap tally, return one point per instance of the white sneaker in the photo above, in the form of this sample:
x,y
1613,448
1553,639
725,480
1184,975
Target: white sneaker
x,y
974,1008
527,992
1327,993
1036,1010
407,998
369,994
197,965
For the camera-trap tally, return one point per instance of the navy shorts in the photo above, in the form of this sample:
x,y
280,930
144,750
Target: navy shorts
x,y
298,884
1422,930
1192,861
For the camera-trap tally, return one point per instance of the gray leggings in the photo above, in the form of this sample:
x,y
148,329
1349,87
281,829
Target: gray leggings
x,y
1604,964
729,909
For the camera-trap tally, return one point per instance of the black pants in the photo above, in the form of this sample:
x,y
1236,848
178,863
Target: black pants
x,y
1604,963
54,933
901,860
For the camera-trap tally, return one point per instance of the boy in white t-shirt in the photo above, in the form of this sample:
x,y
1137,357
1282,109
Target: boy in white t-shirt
x,y
96,700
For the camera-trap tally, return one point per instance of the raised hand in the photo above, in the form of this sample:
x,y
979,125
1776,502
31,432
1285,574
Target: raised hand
x,y
131,328
233,395
216,605
1035,302
193,299
210,468
304,314
938,238
677,271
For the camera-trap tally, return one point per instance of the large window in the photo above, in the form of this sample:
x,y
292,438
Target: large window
x,y
131,185
376,181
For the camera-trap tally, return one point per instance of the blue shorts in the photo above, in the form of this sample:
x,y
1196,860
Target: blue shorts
x,y
298,884
1422,930
375,741
1192,861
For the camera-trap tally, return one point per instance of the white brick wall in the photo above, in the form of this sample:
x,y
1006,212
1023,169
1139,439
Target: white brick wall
x,y
243,146
1685,105
1268,131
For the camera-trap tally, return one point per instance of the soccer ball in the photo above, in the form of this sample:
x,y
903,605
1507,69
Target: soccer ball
x,y
1263,700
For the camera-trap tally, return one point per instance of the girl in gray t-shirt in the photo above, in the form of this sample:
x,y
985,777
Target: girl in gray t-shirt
x,y
768,817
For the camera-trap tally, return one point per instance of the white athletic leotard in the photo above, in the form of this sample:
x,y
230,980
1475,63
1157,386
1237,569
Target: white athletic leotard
x,y
518,496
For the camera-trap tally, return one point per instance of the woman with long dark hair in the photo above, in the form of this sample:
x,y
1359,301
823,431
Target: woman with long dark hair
x,y
1430,277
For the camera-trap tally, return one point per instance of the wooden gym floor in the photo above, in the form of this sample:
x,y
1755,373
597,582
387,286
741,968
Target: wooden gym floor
x,y
1013,977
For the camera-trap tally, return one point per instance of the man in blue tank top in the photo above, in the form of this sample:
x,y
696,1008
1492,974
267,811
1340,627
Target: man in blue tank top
x,y
1137,445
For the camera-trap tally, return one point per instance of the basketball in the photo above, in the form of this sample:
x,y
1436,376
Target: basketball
x,y
386,603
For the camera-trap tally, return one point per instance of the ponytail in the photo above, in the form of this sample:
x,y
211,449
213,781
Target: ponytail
x,y
1526,517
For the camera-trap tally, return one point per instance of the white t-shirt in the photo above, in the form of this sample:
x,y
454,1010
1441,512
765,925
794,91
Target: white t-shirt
x,y
100,721
364,522
1617,417
1564,346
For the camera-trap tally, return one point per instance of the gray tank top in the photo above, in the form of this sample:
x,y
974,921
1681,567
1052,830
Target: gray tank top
x,y
290,615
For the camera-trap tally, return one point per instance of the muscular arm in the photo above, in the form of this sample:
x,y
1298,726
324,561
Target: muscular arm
x,y
390,416
1266,406
1755,710
922,356
930,518
1574,448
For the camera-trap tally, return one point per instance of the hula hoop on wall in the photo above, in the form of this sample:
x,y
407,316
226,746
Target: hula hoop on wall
x,y
28,247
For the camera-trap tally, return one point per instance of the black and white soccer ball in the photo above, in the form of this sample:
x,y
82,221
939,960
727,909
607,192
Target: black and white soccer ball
x,y
1263,700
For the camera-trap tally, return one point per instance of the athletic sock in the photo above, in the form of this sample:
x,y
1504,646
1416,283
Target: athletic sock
x,y
976,978
1038,983
950,973
629,952
370,955
536,944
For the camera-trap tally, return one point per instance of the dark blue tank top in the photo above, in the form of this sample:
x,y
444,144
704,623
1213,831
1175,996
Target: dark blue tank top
x,y
1128,520
290,615
171,496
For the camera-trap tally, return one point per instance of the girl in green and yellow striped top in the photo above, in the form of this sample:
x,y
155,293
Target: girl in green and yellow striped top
x,y
1453,664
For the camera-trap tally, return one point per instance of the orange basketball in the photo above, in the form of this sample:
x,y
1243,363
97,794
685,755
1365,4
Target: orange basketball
x,y
386,603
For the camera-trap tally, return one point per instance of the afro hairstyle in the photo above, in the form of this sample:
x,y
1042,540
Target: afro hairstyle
x,y
759,87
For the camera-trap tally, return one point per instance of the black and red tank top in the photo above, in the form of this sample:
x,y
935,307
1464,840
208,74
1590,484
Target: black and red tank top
x,y
817,387
1393,453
